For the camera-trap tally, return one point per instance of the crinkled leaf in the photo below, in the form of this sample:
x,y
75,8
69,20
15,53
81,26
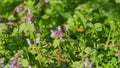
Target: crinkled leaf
x,y
25,62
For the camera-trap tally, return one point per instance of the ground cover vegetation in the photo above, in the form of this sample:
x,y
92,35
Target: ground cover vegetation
x,y
59,33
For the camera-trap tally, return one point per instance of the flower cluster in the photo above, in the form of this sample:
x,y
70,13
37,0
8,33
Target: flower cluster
x,y
14,63
59,32
28,41
32,45
46,1
87,62
29,16
1,64
18,9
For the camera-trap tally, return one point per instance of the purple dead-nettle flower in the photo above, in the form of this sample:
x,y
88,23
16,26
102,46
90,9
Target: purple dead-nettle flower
x,y
29,16
29,13
15,64
46,1
17,9
86,61
19,65
12,65
59,34
59,28
67,27
1,64
28,20
91,65
37,40
53,33
29,10
29,66
28,41
63,28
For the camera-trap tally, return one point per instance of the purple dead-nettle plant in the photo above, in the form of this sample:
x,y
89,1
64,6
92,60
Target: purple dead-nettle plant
x,y
59,28
53,33
29,10
37,40
1,64
59,32
66,28
29,42
46,1
91,65
63,29
86,61
29,66
14,63
29,16
18,9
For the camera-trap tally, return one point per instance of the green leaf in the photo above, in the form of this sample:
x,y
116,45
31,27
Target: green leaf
x,y
3,27
11,17
30,27
15,31
46,16
100,56
48,11
66,15
88,50
117,1
25,62
98,27
77,64
33,52
30,3
22,27
90,25
70,21
56,42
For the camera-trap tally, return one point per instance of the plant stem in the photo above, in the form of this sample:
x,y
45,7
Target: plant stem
x,y
59,53
108,40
